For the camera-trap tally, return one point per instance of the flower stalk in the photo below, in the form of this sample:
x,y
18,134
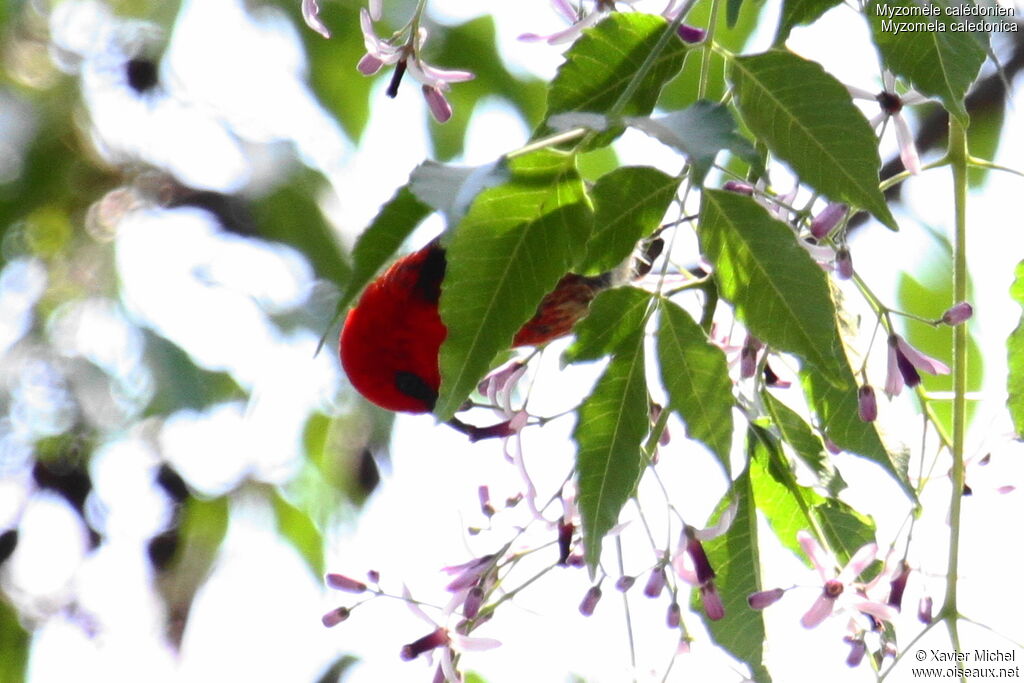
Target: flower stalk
x,y
958,157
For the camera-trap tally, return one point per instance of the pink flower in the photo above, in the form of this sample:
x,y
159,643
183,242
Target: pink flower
x,y
840,586
403,50
892,105
449,641
311,15
469,573
693,566
904,362
577,22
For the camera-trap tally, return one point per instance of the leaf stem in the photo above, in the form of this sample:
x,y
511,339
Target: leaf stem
x,y
705,64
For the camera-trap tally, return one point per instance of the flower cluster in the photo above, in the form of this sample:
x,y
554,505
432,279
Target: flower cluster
x,y
472,582
403,50
842,592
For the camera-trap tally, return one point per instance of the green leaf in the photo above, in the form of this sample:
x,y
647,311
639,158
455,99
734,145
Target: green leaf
x,y
291,215
603,61
612,423
203,527
296,527
807,119
341,468
732,11
696,376
942,63
789,507
699,132
379,242
780,293
615,317
737,563
836,408
984,137
785,505
629,204
1015,357
183,384
14,643
336,672
805,443
846,530
333,62
800,13
513,246
694,82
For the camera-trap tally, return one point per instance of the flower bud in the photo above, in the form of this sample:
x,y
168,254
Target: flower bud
x,y
690,34
624,583
748,356
844,264
655,583
763,599
738,187
924,610
344,583
898,585
957,314
867,405
474,599
484,494
857,651
335,616
826,221
590,601
674,615
565,532
440,108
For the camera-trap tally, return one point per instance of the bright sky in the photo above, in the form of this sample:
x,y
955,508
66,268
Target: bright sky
x,y
257,618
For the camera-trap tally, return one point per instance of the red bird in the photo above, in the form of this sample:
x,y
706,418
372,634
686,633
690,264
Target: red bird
x,y
390,340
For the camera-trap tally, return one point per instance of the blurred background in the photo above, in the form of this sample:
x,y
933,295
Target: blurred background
x,y
180,187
